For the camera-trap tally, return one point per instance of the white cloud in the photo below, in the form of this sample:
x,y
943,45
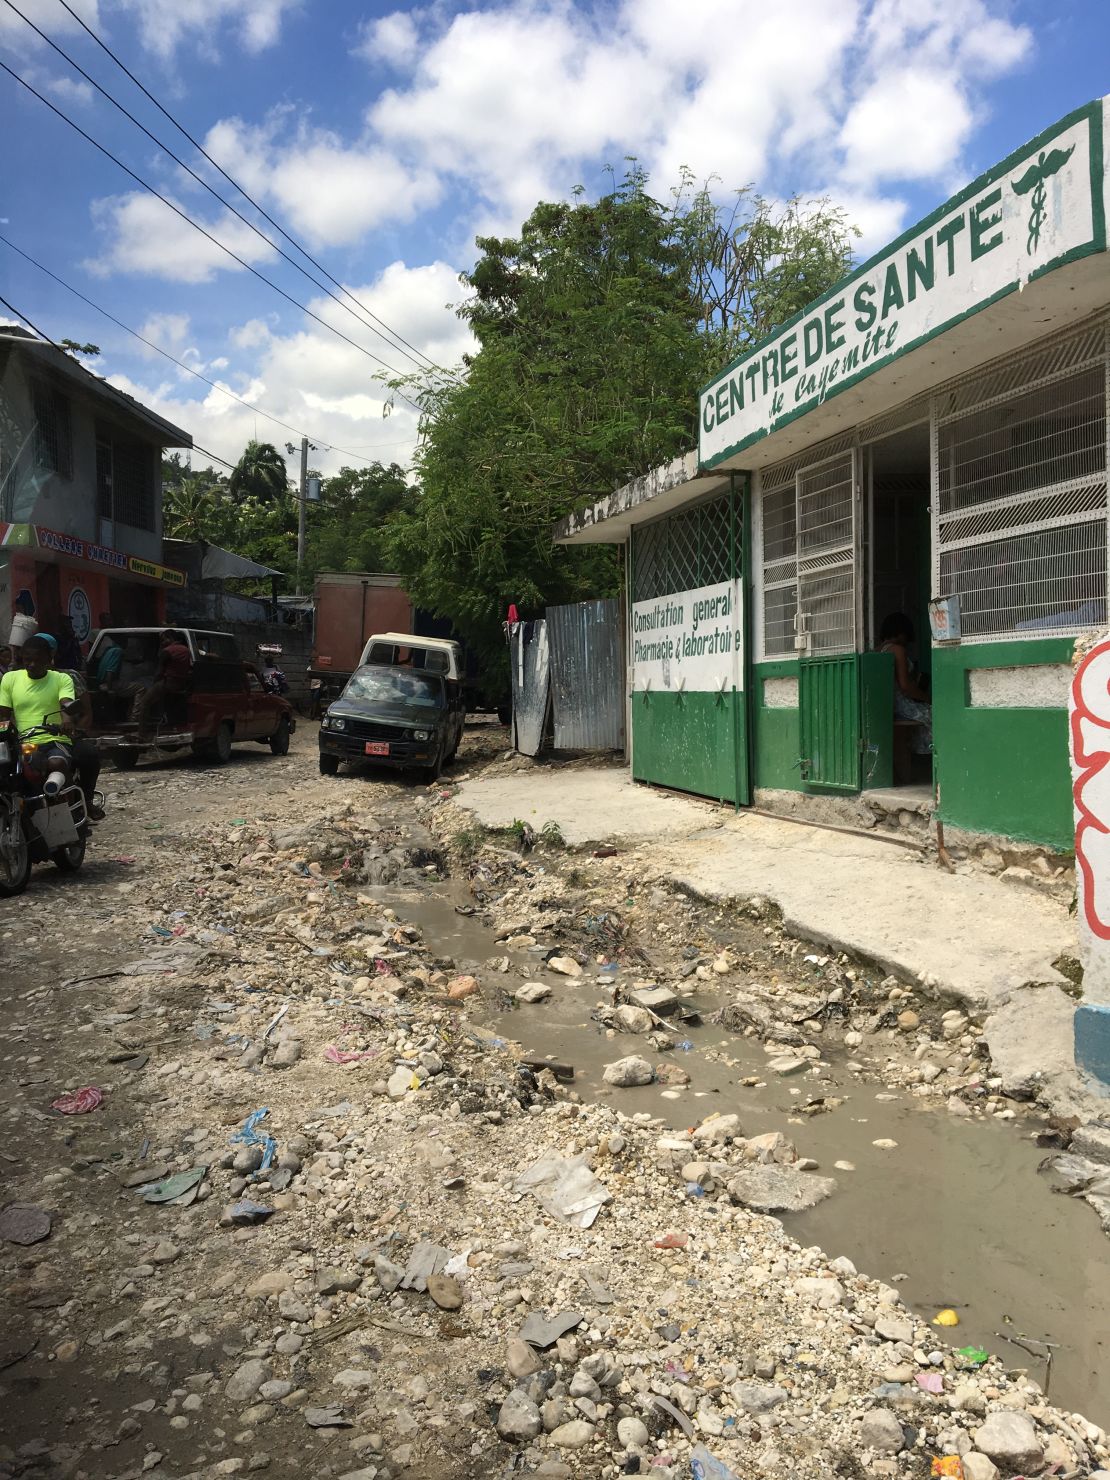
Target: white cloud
x,y
392,39
328,191
170,331
933,122
314,382
49,16
164,25
143,235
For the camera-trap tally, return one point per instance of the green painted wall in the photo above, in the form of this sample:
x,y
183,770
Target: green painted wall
x,y
776,741
690,741
1001,771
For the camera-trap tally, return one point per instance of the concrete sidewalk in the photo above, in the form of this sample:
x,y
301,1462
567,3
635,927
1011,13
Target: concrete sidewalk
x,y
987,942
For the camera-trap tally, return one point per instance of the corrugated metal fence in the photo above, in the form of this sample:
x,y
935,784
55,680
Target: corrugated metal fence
x,y
573,661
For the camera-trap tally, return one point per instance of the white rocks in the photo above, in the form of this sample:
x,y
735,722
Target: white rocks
x,y
354,1379
519,1418
271,1283
286,1054
399,1082
843,1266
880,1431
788,1065
564,966
968,1399
520,1359
164,1252
718,1130
894,1328
573,1435
772,1146
1010,1440
389,1275
533,992
292,1308
629,1072
978,1467
658,999
825,1294
632,1433
634,1019
757,1397
776,1189
245,1382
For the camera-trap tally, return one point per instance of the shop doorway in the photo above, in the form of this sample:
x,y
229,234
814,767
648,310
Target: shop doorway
x,y
897,564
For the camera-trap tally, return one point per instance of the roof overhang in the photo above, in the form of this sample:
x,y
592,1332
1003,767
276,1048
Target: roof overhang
x,y
663,489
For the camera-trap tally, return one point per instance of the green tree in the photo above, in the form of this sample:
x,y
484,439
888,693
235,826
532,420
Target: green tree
x,y
189,507
595,329
260,473
347,529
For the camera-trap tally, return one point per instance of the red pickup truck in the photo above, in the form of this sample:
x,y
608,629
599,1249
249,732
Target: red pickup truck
x,y
224,699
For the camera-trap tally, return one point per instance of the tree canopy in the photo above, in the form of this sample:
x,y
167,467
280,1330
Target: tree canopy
x,y
260,473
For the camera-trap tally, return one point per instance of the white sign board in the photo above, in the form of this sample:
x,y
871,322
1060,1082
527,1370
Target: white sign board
x,y
1040,208
690,642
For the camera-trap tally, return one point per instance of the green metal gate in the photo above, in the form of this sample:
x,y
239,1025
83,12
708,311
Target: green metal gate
x,y
829,715
692,740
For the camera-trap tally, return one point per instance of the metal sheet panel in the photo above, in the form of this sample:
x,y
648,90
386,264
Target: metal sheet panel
x,y
587,675
531,684
828,704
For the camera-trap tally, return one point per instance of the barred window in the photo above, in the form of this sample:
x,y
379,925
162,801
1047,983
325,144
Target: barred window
x,y
53,442
683,552
808,530
780,570
1020,493
125,481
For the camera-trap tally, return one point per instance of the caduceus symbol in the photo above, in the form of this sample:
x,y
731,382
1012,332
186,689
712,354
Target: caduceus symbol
x,y
1033,179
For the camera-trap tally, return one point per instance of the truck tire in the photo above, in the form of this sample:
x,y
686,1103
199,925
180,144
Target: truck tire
x,y
279,740
125,758
329,765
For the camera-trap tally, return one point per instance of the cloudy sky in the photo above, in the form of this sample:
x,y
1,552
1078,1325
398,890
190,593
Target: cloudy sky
x,y
383,139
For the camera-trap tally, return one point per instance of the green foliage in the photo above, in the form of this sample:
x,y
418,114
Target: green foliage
x,y
595,328
347,528
74,347
259,474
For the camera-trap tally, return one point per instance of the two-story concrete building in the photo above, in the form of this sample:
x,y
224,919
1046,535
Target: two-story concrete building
x,y
928,438
80,493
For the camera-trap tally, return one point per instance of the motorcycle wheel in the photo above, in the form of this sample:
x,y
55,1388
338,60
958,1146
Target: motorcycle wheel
x,y
70,858
15,859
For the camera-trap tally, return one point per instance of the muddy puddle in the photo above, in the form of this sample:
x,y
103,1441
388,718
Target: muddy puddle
x,y
957,1211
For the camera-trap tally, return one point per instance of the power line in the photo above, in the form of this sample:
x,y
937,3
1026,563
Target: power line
x,y
181,365
12,309
323,287
235,185
207,234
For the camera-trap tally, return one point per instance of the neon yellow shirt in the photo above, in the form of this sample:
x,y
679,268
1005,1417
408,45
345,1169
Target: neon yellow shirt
x,y
35,701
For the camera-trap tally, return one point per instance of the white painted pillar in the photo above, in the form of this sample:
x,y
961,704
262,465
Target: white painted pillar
x,y
1089,740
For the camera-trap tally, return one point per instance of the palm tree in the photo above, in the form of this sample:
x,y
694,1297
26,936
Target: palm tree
x,y
188,505
260,473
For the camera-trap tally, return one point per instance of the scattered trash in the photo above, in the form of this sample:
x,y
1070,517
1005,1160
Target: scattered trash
x,y
676,1413
277,1017
79,1101
946,1318
24,1223
565,1187
331,1417
170,1189
245,1212
929,1382
160,930
605,852
248,1136
542,1331
706,1466
426,1258
685,1046
123,858
348,1056
672,1241
973,1354
948,1464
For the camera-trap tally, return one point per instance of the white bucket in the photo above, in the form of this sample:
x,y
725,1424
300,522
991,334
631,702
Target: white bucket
x,y
23,627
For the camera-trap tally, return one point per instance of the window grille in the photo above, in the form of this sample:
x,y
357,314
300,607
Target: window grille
x,y
125,483
808,556
683,552
53,442
1019,492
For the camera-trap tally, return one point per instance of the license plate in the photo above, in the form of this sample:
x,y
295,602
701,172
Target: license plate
x,y
377,747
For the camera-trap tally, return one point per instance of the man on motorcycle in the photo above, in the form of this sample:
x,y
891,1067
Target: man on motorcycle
x,y
34,696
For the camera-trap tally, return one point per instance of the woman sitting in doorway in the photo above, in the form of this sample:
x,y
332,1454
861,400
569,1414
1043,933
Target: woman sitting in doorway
x,y
911,698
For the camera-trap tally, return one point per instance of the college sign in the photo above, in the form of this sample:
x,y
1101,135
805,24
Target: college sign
x,y
689,642
39,536
1040,208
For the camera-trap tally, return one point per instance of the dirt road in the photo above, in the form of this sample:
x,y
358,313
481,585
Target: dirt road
x,y
375,1292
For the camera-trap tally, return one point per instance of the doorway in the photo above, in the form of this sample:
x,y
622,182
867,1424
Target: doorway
x,y
897,546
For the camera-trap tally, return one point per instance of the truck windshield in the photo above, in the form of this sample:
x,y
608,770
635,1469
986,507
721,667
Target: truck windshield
x,y
395,687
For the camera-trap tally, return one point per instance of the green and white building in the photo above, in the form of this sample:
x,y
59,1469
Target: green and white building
x,y
928,437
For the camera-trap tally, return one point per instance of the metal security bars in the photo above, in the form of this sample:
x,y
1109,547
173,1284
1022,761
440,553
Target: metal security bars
x,y
684,551
1020,492
809,537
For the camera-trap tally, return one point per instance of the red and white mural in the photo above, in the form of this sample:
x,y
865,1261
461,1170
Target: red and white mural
x,y
1090,767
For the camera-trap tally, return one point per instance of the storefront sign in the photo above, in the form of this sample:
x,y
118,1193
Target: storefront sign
x,y
80,613
69,545
1039,209
165,573
690,642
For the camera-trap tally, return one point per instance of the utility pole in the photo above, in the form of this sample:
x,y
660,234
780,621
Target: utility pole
x,y
301,511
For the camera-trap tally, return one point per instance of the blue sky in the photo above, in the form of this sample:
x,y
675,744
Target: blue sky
x,y
385,138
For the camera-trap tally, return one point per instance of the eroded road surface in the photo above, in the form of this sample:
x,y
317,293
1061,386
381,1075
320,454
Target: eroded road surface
x,y
333,1216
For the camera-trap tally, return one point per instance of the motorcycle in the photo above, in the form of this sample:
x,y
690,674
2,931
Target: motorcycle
x,y
42,811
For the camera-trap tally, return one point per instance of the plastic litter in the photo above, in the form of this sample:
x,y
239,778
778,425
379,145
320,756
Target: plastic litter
x,y
247,1135
677,1414
929,1382
949,1465
79,1101
694,1189
245,1211
183,1185
542,1331
24,1223
331,1417
685,1046
672,1241
946,1318
348,1056
706,1466
123,858
160,930
974,1354
565,1187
